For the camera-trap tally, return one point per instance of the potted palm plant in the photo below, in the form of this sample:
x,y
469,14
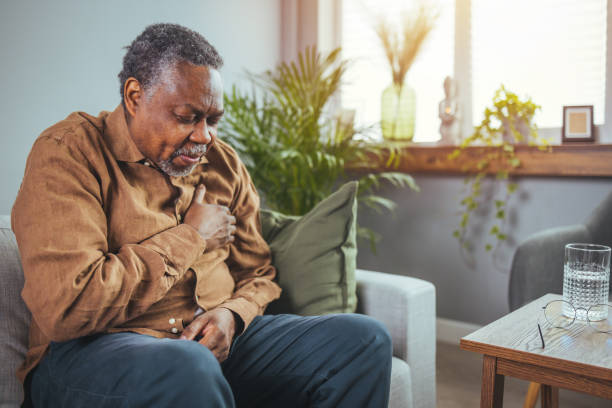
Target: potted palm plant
x,y
295,148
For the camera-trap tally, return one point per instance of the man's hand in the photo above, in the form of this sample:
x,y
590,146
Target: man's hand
x,y
217,328
213,222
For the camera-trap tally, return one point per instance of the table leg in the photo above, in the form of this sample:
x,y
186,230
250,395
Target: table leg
x,y
492,392
550,396
531,399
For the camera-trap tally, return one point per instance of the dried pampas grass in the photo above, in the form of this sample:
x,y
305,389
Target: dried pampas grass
x,y
402,45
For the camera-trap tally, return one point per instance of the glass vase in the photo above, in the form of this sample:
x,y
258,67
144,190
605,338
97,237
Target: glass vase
x,y
397,112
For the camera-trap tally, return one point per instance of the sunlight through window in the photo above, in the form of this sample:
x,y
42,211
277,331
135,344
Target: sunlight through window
x,y
551,50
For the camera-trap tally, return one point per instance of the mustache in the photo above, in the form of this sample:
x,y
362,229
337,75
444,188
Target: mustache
x,y
197,150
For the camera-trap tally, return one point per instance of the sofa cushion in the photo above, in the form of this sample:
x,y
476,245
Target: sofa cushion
x,y
14,318
315,255
400,395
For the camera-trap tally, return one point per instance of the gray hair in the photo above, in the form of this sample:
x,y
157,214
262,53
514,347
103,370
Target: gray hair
x,y
162,46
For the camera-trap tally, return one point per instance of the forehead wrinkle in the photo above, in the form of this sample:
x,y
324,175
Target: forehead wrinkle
x,y
212,109
201,92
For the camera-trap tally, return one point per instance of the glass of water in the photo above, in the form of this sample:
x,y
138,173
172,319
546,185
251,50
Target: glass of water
x,y
586,279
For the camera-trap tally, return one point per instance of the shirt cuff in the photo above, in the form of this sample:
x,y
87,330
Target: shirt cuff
x,y
245,309
180,247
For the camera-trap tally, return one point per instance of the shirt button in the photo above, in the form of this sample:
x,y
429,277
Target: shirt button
x,y
174,330
172,320
146,163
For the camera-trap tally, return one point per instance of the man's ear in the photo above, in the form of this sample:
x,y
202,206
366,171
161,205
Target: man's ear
x,y
132,95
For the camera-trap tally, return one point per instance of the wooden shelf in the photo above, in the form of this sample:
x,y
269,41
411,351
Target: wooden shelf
x,y
575,160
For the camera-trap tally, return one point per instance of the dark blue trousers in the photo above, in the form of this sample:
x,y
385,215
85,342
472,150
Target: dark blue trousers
x,y
279,361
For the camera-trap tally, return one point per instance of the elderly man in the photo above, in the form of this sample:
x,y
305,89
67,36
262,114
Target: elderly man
x,y
145,270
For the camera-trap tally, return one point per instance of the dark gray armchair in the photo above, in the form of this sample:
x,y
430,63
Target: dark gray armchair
x,y
537,266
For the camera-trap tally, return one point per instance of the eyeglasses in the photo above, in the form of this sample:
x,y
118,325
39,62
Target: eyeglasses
x,y
562,314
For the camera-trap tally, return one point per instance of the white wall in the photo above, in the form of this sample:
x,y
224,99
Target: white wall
x,y
64,55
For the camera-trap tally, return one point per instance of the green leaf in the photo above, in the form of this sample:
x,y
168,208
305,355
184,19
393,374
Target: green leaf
x,y
512,187
378,203
488,247
482,164
454,154
502,175
464,220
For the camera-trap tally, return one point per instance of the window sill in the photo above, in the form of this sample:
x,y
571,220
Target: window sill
x,y
570,160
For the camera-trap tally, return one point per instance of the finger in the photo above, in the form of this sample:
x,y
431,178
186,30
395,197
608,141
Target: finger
x,y
199,194
208,335
216,342
223,355
193,329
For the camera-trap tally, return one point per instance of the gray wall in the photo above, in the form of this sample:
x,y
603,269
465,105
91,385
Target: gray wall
x,y
417,240
64,55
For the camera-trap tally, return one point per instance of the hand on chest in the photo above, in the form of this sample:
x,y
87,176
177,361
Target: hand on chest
x,y
141,201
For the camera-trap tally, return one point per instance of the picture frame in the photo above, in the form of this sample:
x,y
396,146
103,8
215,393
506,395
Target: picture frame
x,y
578,124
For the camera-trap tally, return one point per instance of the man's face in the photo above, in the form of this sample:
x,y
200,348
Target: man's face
x,y
174,122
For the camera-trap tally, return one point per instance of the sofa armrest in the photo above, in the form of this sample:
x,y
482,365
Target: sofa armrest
x,y
407,307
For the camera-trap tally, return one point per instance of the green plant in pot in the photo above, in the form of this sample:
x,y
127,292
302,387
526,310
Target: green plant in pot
x,y
509,121
398,101
296,147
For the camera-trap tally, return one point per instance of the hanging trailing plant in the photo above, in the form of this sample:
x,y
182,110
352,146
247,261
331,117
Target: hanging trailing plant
x,y
509,121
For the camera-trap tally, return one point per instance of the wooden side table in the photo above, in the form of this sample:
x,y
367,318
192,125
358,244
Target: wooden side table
x,y
577,358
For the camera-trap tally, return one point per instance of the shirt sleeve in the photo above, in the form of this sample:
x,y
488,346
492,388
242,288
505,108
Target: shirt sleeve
x,y
73,285
249,261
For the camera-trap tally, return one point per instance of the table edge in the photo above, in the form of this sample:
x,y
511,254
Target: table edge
x,y
537,359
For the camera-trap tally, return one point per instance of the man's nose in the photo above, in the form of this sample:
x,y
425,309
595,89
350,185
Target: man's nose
x,y
201,134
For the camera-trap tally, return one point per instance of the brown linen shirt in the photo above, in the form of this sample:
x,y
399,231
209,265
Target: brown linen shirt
x,y
102,244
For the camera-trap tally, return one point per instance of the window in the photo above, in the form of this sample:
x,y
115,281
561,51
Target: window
x,y
551,50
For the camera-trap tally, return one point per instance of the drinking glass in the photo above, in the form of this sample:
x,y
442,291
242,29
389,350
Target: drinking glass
x,y
586,280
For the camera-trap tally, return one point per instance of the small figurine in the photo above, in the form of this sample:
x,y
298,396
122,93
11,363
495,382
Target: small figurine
x,y
450,115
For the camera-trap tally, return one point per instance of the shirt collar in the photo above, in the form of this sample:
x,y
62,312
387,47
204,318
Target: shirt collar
x,y
119,140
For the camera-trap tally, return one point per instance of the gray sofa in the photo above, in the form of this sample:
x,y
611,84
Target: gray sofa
x,y
537,265
406,305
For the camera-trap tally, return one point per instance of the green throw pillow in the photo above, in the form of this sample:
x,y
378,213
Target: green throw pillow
x,y
315,255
